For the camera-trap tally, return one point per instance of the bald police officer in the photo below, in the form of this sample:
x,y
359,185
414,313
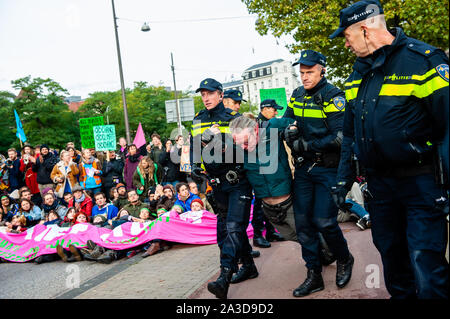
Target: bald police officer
x,y
398,119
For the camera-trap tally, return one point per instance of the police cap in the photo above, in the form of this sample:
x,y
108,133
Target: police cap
x,y
235,95
310,58
270,103
210,85
357,12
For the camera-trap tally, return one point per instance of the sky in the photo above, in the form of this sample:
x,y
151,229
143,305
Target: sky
x,y
72,42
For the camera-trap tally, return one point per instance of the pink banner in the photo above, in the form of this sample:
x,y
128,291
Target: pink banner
x,y
188,228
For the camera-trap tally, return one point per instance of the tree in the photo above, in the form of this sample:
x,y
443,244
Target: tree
x,y
7,121
44,115
310,22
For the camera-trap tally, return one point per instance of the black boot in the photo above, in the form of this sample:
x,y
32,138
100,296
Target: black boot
x,y
248,271
260,241
344,271
219,288
107,257
255,253
312,283
274,236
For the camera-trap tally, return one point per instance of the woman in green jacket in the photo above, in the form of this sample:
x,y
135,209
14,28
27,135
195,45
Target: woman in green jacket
x,y
147,175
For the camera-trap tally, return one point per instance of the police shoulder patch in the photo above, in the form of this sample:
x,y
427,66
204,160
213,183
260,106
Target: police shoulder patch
x,y
442,70
339,102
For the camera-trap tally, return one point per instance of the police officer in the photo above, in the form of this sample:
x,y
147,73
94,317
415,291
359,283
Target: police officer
x,y
269,109
212,144
232,99
318,108
397,117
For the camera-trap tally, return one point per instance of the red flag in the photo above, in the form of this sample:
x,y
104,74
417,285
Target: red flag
x,y
139,139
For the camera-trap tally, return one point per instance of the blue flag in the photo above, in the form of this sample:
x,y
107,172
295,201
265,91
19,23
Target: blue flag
x,y
20,132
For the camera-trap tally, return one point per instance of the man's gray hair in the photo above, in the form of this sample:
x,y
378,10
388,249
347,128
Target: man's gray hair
x,y
247,120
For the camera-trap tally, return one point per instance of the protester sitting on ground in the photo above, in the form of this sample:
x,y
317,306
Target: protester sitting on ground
x,y
26,164
81,201
43,166
99,221
66,199
25,192
17,224
178,209
64,175
113,195
50,203
135,205
166,201
90,172
131,163
147,175
69,219
184,197
144,216
69,256
197,205
53,219
122,199
102,207
112,172
32,213
193,188
355,207
8,208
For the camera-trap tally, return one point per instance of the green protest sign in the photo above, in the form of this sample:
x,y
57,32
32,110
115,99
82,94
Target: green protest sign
x,y
105,137
278,94
87,132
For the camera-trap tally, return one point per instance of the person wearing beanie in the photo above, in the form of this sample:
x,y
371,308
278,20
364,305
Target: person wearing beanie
x,y
197,205
122,200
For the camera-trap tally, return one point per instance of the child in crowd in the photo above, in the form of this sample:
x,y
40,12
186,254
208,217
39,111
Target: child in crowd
x,y
52,219
69,219
17,224
197,205
81,217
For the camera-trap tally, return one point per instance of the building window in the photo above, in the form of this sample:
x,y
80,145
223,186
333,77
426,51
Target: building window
x,y
268,70
254,74
276,69
285,69
262,85
270,83
255,86
277,83
286,81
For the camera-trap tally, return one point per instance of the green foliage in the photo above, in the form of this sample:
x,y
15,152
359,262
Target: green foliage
x,y
7,121
310,22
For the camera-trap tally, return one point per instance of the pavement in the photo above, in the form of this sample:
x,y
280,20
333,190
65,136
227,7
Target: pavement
x,y
184,271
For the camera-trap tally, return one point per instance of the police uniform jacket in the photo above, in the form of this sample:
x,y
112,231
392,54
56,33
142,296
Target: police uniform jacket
x,y
319,114
397,112
204,120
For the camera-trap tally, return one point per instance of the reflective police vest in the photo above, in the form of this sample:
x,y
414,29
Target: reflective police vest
x,y
398,102
204,120
319,114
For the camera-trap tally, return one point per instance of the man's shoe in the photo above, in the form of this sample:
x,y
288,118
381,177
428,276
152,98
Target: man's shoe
x,y
363,223
274,236
39,260
344,271
107,257
97,251
261,242
153,249
312,283
219,288
75,253
255,253
61,253
244,273
91,245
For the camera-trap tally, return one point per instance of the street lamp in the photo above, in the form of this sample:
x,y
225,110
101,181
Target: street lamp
x,y
144,28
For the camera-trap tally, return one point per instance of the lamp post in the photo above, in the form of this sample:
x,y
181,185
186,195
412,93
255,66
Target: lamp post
x,y
144,28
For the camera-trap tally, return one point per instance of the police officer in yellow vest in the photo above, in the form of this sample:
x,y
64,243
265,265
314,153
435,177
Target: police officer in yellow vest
x,y
318,109
212,145
397,122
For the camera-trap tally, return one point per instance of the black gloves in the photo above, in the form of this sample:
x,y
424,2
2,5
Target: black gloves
x,y
339,193
300,146
291,135
196,173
